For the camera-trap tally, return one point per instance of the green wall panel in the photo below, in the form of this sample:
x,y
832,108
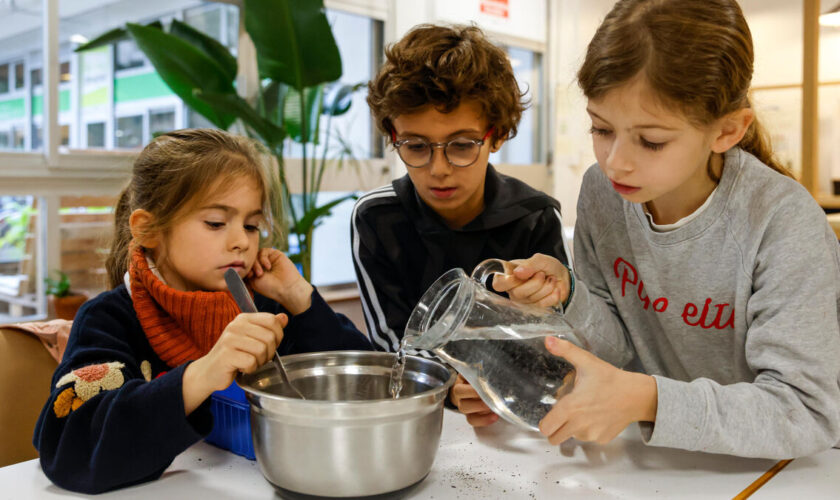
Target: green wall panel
x,y
63,102
133,88
11,109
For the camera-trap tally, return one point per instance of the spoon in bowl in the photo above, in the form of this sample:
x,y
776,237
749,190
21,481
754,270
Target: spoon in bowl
x,y
246,304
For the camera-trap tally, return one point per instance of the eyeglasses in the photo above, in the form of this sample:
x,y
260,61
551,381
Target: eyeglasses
x,y
459,152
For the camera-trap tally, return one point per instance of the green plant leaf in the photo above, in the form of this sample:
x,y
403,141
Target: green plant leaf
x,y
185,68
292,113
294,41
113,36
270,133
59,287
273,94
338,98
211,47
312,218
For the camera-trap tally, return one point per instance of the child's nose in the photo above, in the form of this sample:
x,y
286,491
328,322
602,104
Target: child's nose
x,y
619,158
439,166
238,239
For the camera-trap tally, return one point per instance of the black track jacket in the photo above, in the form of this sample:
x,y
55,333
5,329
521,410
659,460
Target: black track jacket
x,y
401,246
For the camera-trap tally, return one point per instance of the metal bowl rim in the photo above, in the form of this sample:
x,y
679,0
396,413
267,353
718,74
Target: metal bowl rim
x,y
262,394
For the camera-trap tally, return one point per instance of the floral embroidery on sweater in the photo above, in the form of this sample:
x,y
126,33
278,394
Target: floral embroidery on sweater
x,y
87,383
146,370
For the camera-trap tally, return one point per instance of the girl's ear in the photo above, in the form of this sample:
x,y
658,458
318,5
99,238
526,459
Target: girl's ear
x,y
732,128
140,221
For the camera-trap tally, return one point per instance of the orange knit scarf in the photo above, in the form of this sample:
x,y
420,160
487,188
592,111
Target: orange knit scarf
x,y
180,326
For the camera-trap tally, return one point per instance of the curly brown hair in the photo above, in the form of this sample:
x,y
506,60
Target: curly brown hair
x,y
441,66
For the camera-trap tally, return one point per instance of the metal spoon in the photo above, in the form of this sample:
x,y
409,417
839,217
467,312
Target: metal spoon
x,y
246,304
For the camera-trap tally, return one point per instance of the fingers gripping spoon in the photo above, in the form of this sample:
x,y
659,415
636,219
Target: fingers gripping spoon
x,y
246,304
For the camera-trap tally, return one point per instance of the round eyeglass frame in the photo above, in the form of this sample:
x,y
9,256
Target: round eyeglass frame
x,y
440,145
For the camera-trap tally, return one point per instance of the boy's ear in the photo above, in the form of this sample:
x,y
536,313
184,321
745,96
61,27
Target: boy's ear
x,y
139,221
731,129
496,145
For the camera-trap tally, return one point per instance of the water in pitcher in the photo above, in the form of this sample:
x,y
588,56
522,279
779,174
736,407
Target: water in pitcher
x,y
510,369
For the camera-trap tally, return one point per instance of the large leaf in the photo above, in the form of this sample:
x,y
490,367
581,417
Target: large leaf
x,y
272,98
113,36
312,218
271,134
294,41
293,114
185,68
215,50
338,98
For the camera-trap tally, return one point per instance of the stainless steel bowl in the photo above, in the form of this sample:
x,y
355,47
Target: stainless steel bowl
x,y
348,437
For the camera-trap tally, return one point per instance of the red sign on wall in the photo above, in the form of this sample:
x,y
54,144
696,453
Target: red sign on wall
x,y
498,8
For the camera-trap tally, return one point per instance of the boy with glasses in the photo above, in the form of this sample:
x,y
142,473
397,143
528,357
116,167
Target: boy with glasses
x,y
446,97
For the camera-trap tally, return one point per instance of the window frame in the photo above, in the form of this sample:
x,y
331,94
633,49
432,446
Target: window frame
x,y
58,170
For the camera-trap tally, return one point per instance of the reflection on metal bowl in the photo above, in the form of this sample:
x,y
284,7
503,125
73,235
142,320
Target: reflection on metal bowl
x,y
348,437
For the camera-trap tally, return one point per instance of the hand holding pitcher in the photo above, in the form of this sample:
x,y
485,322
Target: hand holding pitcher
x,y
540,280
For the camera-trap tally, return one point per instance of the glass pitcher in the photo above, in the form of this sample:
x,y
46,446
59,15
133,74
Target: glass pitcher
x,y
495,343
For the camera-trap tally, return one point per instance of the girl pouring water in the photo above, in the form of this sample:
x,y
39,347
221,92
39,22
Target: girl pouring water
x,y
696,253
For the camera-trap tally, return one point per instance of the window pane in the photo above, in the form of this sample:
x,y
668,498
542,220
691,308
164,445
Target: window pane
x,y
128,55
527,147
360,46
331,267
116,86
4,78
19,259
96,135
207,19
18,139
35,77
19,76
195,120
21,41
87,223
161,122
129,133
5,140
37,136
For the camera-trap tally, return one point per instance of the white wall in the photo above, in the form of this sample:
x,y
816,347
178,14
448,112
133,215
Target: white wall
x,y
525,19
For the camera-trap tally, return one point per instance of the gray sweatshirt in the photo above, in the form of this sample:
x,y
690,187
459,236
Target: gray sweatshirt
x,y
735,314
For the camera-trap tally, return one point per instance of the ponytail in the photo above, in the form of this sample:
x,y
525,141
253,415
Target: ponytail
x,y
757,143
117,262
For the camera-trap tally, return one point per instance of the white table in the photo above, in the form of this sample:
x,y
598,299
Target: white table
x,y
496,462
817,476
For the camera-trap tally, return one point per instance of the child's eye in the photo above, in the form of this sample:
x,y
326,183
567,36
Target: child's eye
x,y
214,225
251,228
653,146
599,131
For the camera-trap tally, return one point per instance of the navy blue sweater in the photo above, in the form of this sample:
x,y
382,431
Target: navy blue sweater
x,y
130,434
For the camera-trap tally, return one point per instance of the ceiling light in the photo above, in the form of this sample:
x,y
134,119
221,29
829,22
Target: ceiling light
x,y
831,17
78,38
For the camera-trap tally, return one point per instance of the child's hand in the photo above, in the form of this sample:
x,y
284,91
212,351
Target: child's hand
x,y
248,342
470,404
276,277
541,280
603,402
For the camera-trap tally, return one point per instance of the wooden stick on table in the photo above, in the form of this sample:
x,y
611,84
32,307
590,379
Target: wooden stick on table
x,y
758,483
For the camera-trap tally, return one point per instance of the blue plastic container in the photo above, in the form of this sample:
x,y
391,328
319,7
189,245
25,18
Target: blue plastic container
x,y
231,422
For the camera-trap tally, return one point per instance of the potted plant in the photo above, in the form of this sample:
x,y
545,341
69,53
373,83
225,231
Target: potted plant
x,y
63,301
297,57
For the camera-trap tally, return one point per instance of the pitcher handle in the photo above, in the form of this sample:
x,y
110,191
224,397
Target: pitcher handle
x,y
487,268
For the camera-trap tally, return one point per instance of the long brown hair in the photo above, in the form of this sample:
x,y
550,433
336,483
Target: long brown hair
x,y
174,172
697,55
442,66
